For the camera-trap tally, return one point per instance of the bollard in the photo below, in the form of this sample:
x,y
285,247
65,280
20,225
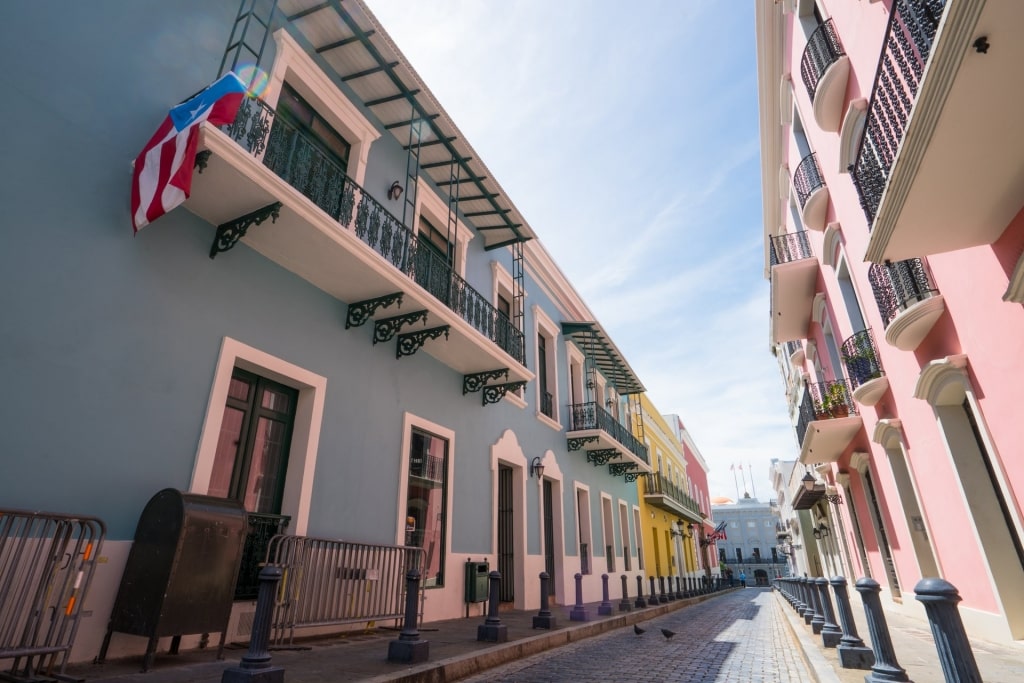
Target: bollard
x,y
808,613
853,654
704,584
662,598
579,611
818,618
544,618
639,602
940,599
886,668
605,608
492,630
654,593
409,648
830,631
625,605
679,589
688,587
255,664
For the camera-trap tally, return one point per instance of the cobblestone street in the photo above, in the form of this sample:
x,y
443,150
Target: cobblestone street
x,y
740,637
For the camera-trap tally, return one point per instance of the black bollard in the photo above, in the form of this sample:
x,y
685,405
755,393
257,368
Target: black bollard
x,y
625,605
662,598
940,600
830,631
492,630
808,613
544,618
605,608
853,654
639,602
654,593
579,611
679,589
704,583
818,618
255,664
886,668
409,648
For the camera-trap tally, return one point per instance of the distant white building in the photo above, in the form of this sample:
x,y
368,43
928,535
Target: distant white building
x,y
750,545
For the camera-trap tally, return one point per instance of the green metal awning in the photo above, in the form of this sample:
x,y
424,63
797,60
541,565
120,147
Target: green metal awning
x,y
598,346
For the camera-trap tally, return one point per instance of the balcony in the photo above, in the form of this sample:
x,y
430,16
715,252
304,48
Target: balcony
x,y
863,367
795,353
547,405
811,192
334,234
662,493
794,277
827,422
940,165
908,303
825,70
602,431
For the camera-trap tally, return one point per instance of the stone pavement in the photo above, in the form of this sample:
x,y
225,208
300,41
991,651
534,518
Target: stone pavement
x,y
454,650
741,637
914,647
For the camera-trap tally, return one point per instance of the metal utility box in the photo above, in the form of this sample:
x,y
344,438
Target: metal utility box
x,y
181,570
477,581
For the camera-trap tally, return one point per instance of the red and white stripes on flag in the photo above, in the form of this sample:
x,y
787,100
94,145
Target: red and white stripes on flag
x,y
162,178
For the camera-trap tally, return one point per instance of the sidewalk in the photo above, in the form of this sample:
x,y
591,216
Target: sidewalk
x,y
362,656
915,650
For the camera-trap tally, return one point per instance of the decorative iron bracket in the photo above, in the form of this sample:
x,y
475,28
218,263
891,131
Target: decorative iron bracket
x,y
495,392
617,469
202,158
410,343
476,381
602,456
361,311
385,329
633,476
229,233
577,444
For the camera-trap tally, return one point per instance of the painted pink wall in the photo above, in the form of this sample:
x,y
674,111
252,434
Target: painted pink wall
x,y
977,322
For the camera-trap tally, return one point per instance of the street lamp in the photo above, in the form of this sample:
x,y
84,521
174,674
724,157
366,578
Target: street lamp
x,y
808,481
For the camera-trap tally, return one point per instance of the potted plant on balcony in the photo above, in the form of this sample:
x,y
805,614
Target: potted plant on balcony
x,y
833,400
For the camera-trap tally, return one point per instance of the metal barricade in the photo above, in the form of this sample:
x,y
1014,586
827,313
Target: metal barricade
x,y
328,582
47,561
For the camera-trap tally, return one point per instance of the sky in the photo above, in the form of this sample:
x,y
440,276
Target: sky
x,y
627,136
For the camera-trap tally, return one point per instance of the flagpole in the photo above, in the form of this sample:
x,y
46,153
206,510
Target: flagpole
x,y
743,476
733,468
752,489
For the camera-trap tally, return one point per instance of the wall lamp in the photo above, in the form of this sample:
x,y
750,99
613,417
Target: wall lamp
x,y
395,191
536,468
821,531
808,481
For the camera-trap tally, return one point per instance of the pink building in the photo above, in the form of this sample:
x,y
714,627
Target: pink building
x,y
697,477
893,182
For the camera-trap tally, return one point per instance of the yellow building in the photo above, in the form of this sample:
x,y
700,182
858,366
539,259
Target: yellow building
x,y
667,509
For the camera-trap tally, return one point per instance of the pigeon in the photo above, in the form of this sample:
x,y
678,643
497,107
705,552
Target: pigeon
x,y
637,630
668,634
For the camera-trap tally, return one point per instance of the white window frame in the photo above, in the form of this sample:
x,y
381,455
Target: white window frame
x,y
543,324
309,412
294,66
431,206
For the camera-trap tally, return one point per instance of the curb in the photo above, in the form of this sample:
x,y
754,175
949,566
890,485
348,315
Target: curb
x,y
819,667
462,666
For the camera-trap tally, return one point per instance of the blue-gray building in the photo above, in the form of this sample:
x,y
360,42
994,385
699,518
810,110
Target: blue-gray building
x,y
751,544
348,326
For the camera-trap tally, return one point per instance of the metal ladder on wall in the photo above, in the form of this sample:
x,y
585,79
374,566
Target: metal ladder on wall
x,y
252,26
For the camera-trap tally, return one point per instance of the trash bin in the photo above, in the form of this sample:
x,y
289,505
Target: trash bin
x,y
477,581
181,570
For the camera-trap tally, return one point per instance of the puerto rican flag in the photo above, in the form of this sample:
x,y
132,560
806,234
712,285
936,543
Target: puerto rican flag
x,y
162,178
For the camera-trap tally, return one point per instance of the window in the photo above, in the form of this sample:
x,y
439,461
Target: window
x,y
436,241
739,554
252,450
751,524
427,502
542,375
547,370
639,539
734,525
609,533
299,113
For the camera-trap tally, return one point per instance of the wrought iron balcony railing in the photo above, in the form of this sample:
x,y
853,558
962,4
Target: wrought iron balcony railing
x,y
860,355
905,50
898,286
661,485
793,246
792,347
824,401
547,406
262,528
428,467
822,50
297,160
807,179
592,416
